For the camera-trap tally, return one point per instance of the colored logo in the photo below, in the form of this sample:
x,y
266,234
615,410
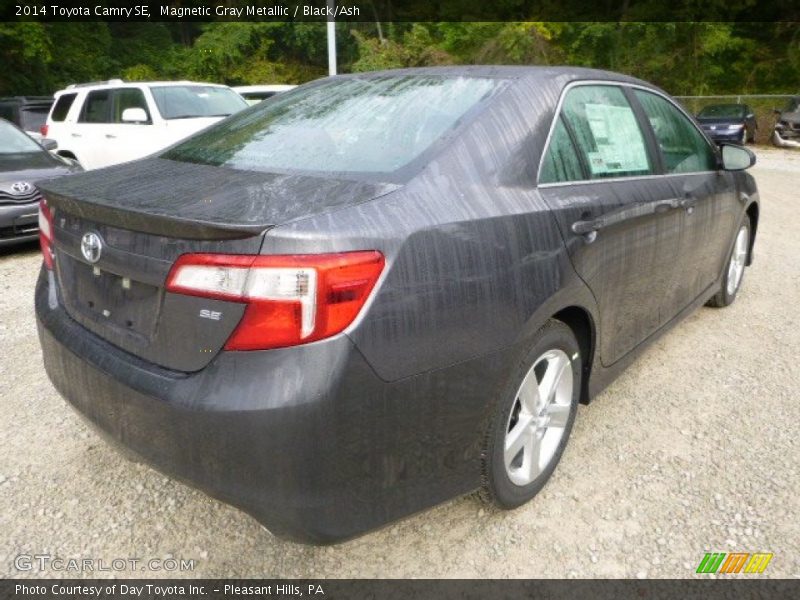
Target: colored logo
x,y
735,562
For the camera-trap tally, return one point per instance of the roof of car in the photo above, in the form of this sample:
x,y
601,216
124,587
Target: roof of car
x,y
116,83
27,99
510,72
278,87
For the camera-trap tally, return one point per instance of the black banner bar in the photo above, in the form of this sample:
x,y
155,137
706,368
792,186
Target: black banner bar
x,y
230,589
787,11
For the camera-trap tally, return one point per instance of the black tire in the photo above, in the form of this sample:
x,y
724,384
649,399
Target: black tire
x,y
723,297
497,487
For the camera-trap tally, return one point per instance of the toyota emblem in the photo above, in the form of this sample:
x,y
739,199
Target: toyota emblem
x,y
91,246
21,187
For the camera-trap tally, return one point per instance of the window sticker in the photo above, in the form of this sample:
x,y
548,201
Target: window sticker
x,y
619,143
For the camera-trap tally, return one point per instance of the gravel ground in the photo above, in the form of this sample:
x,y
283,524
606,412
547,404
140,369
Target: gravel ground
x,y
693,449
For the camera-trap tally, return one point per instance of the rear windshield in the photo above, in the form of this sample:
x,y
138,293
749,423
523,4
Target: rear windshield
x,y
13,141
723,110
351,125
33,117
190,101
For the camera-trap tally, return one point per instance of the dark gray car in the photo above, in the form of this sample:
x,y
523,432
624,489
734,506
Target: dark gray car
x,y
376,292
23,161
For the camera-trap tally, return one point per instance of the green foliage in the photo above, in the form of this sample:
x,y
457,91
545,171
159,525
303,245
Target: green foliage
x,y
682,57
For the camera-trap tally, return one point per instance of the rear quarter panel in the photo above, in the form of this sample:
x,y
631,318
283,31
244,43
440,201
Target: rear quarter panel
x,y
475,261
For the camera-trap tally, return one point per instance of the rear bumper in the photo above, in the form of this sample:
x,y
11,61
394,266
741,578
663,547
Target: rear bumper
x,y
18,223
307,440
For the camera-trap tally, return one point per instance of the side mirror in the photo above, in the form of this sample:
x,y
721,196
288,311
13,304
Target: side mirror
x,y
736,158
749,116
776,112
48,144
134,115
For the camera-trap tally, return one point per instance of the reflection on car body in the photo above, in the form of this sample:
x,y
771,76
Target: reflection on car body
x,y
418,274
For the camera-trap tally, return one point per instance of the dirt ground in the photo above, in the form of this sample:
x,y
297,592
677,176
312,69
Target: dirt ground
x,y
694,449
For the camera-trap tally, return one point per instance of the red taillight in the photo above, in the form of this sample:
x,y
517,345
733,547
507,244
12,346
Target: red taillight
x,y
43,130
291,299
46,233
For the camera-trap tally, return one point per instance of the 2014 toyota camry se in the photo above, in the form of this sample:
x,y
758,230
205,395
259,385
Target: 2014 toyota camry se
x,y
380,291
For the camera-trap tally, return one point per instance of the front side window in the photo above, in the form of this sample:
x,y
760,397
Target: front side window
x,y
191,101
97,108
684,148
606,131
349,125
561,162
62,106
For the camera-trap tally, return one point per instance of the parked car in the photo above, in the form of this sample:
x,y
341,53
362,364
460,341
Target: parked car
x,y
23,161
787,129
384,290
254,94
101,124
29,113
729,122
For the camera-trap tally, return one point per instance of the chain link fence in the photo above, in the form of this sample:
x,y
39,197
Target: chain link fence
x,y
763,106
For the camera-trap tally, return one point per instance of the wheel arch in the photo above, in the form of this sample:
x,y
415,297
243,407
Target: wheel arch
x,y
580,321
67,154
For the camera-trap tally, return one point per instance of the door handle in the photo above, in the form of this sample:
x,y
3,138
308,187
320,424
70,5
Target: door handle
x,y
589,228
75,135
688,203
110,136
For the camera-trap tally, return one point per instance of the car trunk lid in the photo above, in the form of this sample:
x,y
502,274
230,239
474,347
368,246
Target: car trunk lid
x,y
145,222
193,201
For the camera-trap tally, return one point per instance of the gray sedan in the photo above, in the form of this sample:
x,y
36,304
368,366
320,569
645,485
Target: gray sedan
x,y
23,161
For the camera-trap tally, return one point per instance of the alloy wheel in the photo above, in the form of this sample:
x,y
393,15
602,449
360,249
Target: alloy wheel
x,y
737,262
539,417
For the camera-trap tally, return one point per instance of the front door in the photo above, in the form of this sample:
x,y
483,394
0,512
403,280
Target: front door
x,y
708,194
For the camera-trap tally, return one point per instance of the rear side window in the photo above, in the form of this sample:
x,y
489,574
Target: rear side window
x,y
561,162
606,131
684,148
125,98
97,108
62,106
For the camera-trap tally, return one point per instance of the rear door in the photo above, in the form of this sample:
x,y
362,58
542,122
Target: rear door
x,y
707,195
126,141
601,177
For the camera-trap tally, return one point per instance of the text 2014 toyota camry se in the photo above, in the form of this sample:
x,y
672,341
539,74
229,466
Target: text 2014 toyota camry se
x,y
377,292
